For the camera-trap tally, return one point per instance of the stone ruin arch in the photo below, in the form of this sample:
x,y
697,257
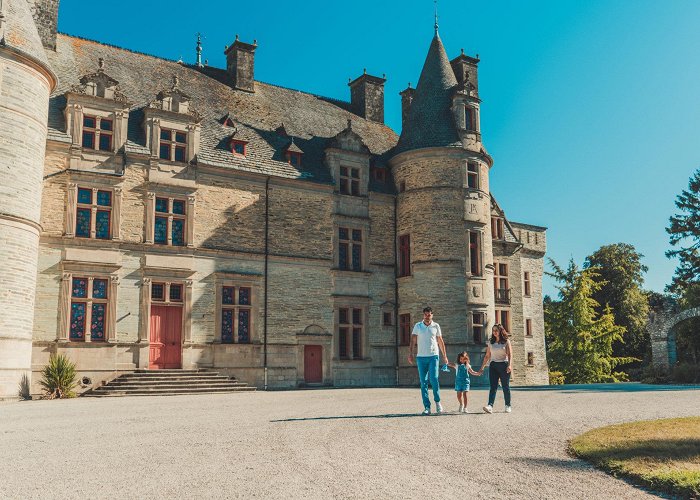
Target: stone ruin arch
x,y
663,339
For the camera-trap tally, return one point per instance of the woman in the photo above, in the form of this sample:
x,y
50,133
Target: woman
x,y
500,353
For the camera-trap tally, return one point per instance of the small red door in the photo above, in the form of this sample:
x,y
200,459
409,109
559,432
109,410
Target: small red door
x,y
166,337
313,364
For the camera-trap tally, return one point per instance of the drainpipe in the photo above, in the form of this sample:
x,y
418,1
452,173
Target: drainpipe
x,y
396,289
267,247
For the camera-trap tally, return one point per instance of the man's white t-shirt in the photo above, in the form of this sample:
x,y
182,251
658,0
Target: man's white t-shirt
x,y
427,338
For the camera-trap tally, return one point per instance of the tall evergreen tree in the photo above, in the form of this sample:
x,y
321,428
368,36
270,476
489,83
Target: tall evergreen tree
x,y
684,231
621,274
579,339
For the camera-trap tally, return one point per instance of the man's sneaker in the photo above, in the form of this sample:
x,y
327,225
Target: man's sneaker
x,y
488,409
426,411
508,409
438,407
461,409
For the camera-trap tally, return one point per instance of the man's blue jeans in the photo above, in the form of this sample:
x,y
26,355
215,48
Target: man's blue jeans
x,y
428,371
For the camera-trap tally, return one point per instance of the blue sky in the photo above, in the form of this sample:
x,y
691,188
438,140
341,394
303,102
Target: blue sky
x,y
590,109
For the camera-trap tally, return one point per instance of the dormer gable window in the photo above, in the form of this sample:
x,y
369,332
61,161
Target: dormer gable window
x,y
172,126
239,147
97,115
227,121
293,155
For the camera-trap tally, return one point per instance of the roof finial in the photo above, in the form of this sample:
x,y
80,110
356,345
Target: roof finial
x,y
436,17
176,80
101,63
199,50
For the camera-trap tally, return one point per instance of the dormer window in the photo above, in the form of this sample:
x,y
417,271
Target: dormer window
x,y
239,148
173,145
294,158
97,133
350,181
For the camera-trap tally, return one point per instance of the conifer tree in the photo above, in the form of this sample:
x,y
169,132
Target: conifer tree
x,y
579,340
684,231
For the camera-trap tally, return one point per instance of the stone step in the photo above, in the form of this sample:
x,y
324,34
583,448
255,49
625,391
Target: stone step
x,y
169,392
122,387
129,378
169,382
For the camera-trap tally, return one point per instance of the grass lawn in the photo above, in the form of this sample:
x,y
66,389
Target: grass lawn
x,y
661,454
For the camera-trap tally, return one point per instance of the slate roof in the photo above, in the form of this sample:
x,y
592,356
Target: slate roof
x,y
309,119
430,122
20,32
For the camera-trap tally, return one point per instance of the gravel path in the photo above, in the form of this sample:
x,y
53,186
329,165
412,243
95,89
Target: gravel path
x,y
336,443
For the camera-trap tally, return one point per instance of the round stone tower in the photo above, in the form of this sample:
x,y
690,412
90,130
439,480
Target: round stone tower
x,y
441,171
25,84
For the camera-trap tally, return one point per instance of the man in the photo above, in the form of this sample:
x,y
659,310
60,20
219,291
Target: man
x,y
427,335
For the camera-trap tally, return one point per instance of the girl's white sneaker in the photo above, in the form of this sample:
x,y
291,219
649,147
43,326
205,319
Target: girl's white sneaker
x,y
461,409
464,409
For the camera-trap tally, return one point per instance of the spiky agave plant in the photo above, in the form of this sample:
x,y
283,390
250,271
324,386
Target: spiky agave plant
x,y
59,378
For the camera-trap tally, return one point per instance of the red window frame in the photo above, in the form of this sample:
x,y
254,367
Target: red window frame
x,y
170,216
102,127
176,142
94,209
294,158
475,266
235,143
497,228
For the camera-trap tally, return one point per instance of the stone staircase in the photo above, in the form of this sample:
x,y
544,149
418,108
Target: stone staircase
x,y
169,383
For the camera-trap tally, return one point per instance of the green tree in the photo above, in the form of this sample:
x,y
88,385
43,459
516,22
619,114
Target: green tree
x,y
684,231
621,274
579,339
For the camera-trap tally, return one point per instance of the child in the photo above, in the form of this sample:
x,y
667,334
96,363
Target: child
x,y
463,369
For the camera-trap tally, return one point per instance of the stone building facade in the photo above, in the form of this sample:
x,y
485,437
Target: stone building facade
x,y
194,217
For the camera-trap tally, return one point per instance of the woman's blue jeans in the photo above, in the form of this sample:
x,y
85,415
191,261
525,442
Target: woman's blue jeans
x,y
428,371
498,371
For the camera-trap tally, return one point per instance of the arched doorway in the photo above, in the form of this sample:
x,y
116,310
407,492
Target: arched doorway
x,y
662,322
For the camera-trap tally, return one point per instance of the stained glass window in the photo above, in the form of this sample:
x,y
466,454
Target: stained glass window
x,y
104,198
97,326
244,296
178,236
102,224
162,205
227,326
227,295
85,196
178,207
161,230
99,289
79,288
77,320
243,325
82,223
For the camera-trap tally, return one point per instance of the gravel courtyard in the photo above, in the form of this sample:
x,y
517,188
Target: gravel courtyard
x,y
338,443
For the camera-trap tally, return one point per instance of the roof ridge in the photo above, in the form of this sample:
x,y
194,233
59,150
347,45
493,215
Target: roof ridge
x,y
194,66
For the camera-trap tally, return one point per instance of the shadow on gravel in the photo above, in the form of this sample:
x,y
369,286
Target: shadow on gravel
x,y
621,387
387,415
557,463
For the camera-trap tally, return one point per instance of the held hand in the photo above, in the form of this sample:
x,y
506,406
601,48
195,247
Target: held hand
x,y
410,358
509,369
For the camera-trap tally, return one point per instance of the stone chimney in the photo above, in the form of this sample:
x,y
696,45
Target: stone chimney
x,y
406,100
240,64
465,68
367,97
45,14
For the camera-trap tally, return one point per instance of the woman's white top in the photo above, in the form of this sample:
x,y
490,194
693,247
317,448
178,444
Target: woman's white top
x,y
499,353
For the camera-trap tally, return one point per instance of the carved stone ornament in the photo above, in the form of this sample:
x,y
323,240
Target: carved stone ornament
x,y
476,291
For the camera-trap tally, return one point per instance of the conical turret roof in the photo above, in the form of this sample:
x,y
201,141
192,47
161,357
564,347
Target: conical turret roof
x,y
19,31
430,122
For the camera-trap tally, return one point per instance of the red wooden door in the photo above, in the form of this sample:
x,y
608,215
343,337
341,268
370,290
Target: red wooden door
x,y
313,364
166,337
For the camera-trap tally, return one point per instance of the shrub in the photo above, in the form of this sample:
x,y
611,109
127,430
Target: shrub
x,y
556,378
653,374
59,378
686,373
